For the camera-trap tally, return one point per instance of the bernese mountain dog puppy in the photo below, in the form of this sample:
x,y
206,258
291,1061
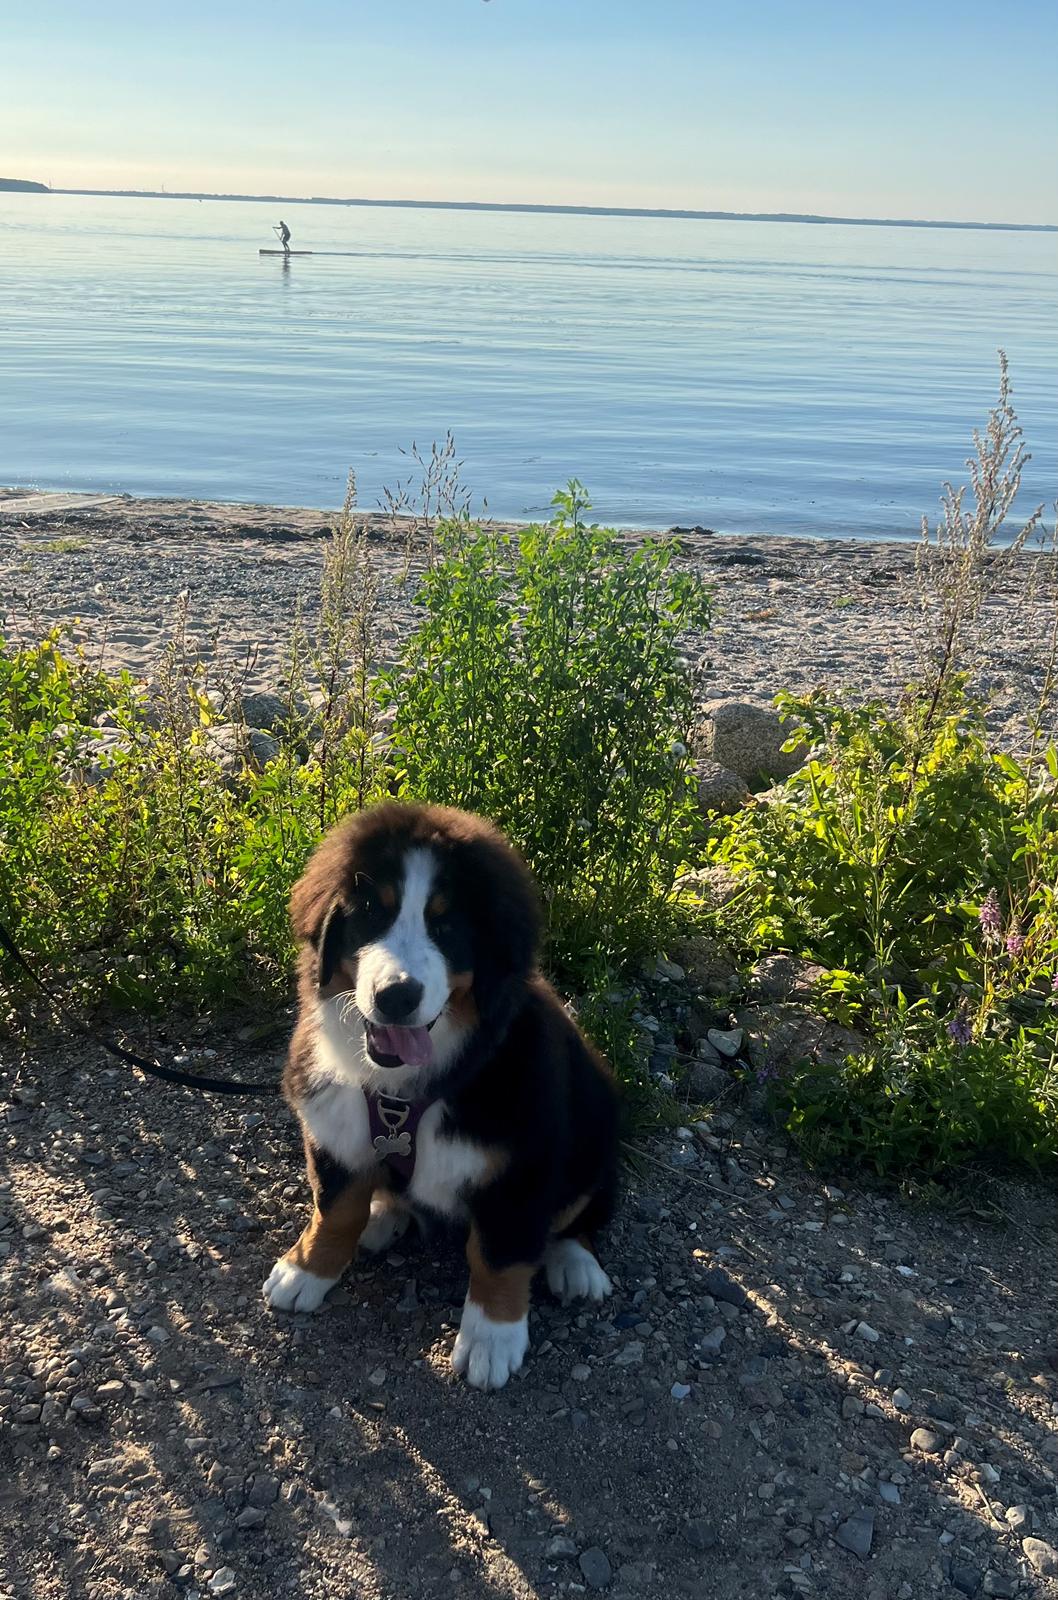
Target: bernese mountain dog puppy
x,y
435,1074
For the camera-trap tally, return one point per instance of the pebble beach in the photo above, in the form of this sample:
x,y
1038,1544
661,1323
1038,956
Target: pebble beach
x,y
790,613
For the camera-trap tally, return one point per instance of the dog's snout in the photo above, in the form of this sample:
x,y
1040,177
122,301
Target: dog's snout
x,y
397,1001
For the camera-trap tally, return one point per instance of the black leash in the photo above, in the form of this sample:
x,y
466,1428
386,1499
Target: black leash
x,y
189,1080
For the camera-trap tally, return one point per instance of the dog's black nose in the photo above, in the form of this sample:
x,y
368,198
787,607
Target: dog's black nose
x,y
396,1001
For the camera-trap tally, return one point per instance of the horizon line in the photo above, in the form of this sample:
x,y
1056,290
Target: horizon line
x,y
669,212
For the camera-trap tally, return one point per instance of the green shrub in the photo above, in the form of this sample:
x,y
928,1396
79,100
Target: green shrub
x,y
545,688
905,1109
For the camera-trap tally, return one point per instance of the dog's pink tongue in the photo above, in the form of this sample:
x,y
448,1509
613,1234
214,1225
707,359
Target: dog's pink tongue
x,y
410,1045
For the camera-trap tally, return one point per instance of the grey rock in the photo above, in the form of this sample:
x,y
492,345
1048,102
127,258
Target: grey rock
x,y
901,1400
595,1567
252,1517
233,748
783,977
857,1534
264,1491
965,1578
748,739
1019,1518
720,791
560,1548
706,1082
711,1343
927,1441
780,1035
671,971
1041,1556
700,1535
889,1493
997,1584
267,711
721,1287
223,1581
726,1041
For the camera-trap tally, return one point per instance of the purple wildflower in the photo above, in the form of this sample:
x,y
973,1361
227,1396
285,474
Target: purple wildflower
x,y
959,1030
1015,942
989,916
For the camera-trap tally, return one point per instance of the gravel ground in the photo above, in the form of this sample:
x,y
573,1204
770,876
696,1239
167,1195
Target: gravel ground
x,y
791,613
795,1390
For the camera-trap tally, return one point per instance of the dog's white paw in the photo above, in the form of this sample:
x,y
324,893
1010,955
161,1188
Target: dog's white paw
x,y
386,1223
487,1352
573,1272
290,1288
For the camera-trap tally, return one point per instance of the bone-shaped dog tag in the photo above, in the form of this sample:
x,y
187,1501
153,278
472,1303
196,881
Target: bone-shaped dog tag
x,y
393,1144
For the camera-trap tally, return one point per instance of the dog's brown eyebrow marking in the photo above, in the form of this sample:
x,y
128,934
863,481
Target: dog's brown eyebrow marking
x,y
386,892
437,905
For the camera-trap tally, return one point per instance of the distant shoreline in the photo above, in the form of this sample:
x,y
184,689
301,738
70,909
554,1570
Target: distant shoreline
x,y
571,211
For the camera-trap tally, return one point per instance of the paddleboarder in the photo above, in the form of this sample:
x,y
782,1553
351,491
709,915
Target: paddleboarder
x,y
283,233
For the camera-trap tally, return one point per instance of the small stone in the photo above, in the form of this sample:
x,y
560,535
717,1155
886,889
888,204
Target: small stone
x,y
865,1331
580,1373
223,1581
857,1534
1019,1518
889,1493
631,1355
110,1391
684,1155
707,1080
996,1584
965,1578
29,1413
671,971
728,1042
252,1517
927,1441
159,1336
901,1400
721,1287
680,1391
710,1343
560,1548
700,1535
851,1407
264,1491
1041,1556
595,1567
377,1378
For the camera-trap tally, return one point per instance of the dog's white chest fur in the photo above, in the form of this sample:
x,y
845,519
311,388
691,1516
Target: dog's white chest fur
x,y
337,1120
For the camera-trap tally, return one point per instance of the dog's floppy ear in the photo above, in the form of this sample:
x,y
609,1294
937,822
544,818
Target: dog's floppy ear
x,y
508,925
330,946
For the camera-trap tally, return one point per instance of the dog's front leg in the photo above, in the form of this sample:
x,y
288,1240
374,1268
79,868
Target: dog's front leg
x,y
341,1207
494,1331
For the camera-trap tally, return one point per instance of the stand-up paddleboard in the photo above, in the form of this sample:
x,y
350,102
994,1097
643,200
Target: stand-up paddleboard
x,y
285,252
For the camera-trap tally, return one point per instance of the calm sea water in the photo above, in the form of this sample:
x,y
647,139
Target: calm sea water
x,y
749,376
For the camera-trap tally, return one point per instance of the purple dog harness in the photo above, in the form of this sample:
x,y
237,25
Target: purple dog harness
x,y
393,1127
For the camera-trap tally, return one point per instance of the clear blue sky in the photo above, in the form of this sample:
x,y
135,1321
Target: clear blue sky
x,y
935,109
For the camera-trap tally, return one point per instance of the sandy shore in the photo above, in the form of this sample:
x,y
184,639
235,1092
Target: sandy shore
x,y
790,613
